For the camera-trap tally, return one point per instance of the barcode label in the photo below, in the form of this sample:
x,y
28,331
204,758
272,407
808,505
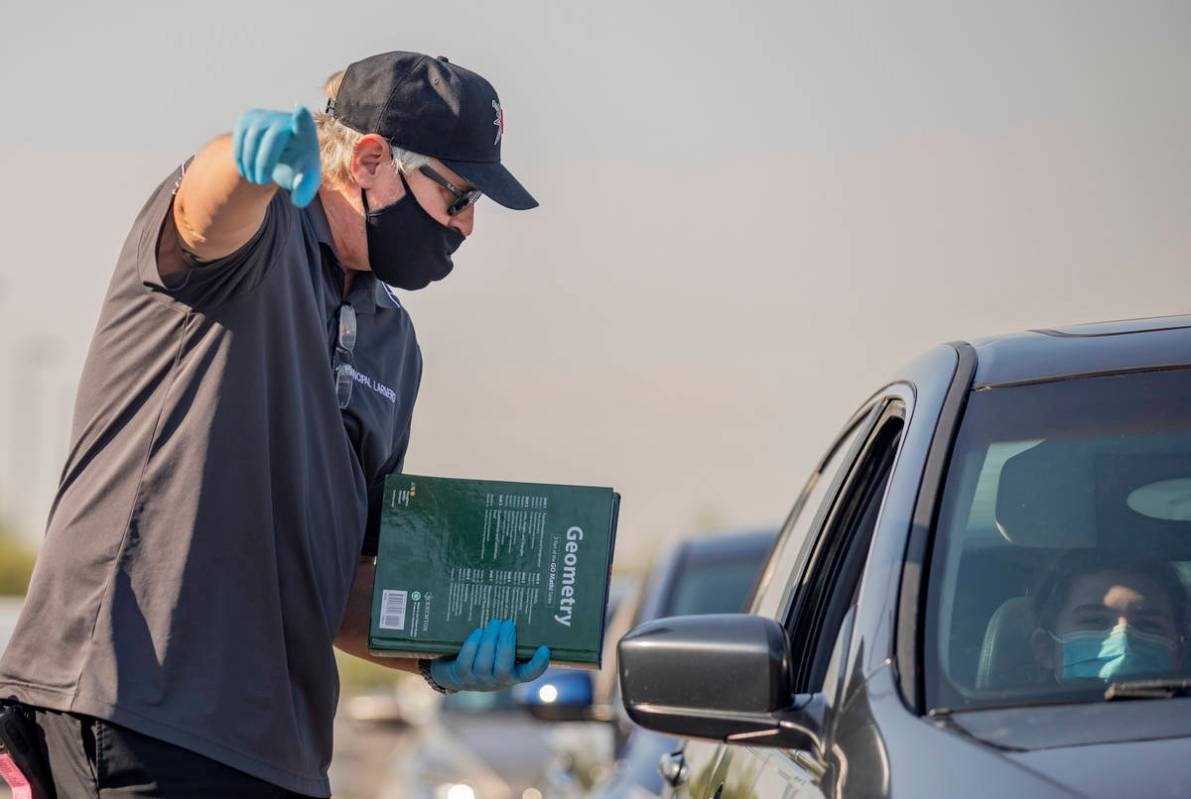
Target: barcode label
x,y
392,610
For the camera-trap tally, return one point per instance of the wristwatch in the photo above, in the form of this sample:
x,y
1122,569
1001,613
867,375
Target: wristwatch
x,y
424,670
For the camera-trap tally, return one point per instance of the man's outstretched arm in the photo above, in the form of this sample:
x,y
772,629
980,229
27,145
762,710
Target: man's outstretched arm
x,y
226,190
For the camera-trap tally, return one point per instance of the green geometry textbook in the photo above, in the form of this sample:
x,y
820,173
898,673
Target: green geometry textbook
x,y
454,554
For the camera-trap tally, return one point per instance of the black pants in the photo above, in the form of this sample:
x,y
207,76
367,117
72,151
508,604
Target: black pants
x,y
94,759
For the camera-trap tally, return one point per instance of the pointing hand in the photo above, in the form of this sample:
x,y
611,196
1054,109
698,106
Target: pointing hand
x,y
279,147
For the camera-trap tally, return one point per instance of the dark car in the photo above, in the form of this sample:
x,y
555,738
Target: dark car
x,y
708,574
980,592
712,574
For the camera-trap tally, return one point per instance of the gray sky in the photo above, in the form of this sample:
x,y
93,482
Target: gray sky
x,y
752,212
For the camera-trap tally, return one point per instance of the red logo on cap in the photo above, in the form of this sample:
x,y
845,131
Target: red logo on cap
x,y
499,122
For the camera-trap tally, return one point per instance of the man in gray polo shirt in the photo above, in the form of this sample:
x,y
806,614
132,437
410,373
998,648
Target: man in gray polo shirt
x,y
249,386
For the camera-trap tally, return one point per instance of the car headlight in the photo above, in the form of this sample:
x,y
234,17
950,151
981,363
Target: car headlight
x,y
455,790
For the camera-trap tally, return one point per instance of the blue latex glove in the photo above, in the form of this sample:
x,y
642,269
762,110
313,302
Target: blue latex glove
x,y
279,147
487,661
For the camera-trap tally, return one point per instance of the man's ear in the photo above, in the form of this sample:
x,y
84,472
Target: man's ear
x,y
1043,647
367,156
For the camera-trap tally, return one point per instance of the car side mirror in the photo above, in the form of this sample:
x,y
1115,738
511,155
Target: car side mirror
x,y
725,677
558,695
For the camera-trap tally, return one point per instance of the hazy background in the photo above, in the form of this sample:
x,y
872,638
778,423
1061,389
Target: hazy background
x,y
752,212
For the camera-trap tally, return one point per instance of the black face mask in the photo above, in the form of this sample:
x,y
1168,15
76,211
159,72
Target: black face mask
x,y
407,247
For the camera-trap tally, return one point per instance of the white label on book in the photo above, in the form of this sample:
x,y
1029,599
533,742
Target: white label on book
x,y
392,610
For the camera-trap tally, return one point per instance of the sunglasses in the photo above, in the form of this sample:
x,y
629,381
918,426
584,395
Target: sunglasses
x,y
345,375
463,199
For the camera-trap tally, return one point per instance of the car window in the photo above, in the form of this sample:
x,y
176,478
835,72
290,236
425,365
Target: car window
x,y
1061,550
719,586
837,560
773,592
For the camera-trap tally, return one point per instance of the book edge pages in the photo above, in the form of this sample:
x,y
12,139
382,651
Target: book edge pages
x,y
584,665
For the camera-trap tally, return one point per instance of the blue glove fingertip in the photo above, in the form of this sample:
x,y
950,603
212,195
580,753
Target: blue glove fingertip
x,y
240,137
268,153
487,649
301,195
302,120
298,192
506,653
534,667
255,124
467,653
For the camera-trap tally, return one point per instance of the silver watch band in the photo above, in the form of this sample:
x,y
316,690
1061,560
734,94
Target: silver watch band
x,y
424,670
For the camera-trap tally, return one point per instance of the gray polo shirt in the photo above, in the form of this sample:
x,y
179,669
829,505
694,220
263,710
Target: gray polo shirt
x,y
213,507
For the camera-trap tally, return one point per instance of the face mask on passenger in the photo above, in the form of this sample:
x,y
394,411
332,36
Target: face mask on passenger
x,y
1115,654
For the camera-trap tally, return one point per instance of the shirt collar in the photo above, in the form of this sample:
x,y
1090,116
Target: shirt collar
x,y
318,221
367,294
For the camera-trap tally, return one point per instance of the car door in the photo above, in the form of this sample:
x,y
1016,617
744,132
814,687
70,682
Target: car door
x,y
701,766
816,604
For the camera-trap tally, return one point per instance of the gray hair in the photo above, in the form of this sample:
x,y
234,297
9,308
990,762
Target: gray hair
x,y
337,142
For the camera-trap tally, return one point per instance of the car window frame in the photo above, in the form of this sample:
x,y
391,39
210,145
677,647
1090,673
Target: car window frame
x,y
909,642
812,654
856,431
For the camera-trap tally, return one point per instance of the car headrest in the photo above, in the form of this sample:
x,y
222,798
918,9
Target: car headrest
x,y
1007,656
1046,498
1073,494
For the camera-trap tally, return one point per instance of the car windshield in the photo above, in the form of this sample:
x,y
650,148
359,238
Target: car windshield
x,y
1062,555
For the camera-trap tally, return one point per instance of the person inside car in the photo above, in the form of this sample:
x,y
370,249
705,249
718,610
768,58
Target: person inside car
x,y
1110,618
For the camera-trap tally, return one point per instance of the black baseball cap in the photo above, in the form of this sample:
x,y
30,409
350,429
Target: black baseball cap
x,y
436,108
